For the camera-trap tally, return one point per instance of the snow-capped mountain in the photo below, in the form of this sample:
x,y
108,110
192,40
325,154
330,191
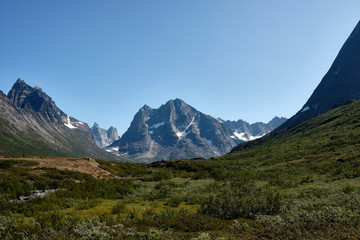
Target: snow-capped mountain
x,y
243,131
176,130
102,137
31,123
340,85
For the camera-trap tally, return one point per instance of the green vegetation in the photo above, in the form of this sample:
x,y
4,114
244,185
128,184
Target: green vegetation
x,y
301,183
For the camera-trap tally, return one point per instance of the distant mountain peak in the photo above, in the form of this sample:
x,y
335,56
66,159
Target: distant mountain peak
x,y
19,80
179,101
102,137
43,128
24,96
177,130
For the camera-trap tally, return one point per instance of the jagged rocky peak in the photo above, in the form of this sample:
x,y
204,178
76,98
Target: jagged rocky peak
x,y
24,96
276,122
44,129
102,137
242,131
177,130
19,92
35,99
112,134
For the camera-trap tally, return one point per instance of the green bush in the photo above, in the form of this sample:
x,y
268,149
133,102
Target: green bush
x,y
162,190
178,220
92,229
118,208
174,201
243,201
14,227
162,175
54,220
87,204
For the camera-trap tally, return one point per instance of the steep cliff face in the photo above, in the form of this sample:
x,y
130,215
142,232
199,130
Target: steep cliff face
x,y
102,137
340,85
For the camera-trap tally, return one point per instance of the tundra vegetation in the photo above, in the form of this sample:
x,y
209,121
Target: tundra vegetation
x,y
300,183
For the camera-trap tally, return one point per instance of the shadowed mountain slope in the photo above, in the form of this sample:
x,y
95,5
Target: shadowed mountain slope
x,y
340,84
32,124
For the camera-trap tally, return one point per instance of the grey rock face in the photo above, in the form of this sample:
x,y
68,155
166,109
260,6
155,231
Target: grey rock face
x,y
176,130
340,85
242,131
102,137
31,113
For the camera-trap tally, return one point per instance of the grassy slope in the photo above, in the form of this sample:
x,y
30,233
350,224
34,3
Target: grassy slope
x,y
300,183
324,145
30,143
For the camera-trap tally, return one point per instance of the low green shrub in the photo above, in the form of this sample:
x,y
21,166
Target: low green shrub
x,y
162,175
87,204
174,201
51,220
178,220
118,208
243,201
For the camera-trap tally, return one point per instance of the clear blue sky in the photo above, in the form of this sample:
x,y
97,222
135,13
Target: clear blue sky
x,y
235,59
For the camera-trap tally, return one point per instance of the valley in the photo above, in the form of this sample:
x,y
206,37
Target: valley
x,y
178,173
302,182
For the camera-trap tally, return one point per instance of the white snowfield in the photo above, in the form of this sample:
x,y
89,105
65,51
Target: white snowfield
x,y
241,136
184,133
68,124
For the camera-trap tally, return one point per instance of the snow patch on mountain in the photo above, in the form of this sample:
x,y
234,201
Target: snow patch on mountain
x,y
239,135
184,133
68,124
243,136
257,136
157,125
305,109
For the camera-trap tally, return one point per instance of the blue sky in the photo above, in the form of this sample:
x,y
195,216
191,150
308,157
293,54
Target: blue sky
x,y
103,60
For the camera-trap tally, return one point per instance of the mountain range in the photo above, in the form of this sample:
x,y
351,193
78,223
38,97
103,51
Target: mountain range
x,y
178,131
32,124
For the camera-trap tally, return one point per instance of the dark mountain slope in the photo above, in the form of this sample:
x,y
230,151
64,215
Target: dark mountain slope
x,y
329,136
33,125
340,85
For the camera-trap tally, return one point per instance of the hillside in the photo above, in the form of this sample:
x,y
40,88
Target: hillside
x,y
299,183
329,136
339,85
32,124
